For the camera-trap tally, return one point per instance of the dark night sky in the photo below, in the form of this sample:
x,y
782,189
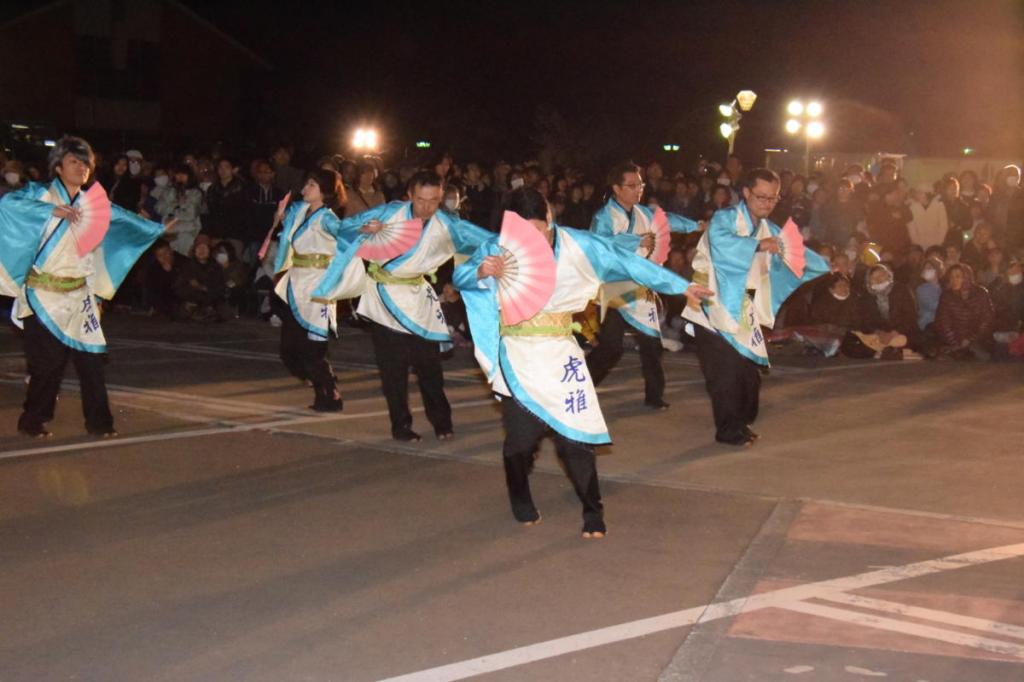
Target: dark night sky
x,y
898,75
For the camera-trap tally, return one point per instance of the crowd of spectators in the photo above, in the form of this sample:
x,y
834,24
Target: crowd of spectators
x,y
929,270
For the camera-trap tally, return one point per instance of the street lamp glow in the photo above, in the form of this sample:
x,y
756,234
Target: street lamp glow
x,y
795,108
726,129
815,130
365,139
792,126
814,109
725,110
745,98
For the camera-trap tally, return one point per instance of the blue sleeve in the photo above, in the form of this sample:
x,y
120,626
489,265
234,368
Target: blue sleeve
x,y
22,221
682,224
466,236
127,239
349,227
612,263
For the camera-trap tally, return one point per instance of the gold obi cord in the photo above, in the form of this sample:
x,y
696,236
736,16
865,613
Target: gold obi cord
x,y
48,282
543,324
320,261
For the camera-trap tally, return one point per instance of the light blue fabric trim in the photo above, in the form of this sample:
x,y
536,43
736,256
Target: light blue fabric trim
x,y
319,331
481,302
40,311
404,319
639,327
524,399
612,263
285,240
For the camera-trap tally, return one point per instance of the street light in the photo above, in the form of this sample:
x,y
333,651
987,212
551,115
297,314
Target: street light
x,y
805,117
744,101
365,139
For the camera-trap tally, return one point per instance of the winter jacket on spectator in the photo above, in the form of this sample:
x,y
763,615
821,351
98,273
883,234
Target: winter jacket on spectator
x,y
964,316
226,206
841,220
1008,304
894,311
260,205
827,309
887,225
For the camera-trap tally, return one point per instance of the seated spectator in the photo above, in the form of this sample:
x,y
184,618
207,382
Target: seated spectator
x,y
928,292
160,278
199,287
975,252
236,275
993,269
909,271
576,212
965,317
1008,300
886,322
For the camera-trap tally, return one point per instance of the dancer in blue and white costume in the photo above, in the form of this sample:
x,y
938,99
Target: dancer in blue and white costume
x,y
536,368
57,291
630,223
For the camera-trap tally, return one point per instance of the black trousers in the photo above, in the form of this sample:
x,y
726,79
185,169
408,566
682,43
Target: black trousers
x,y
306,359
732,381
609,351
47,357
523,433
395,354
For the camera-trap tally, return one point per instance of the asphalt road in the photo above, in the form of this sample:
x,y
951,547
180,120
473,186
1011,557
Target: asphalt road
x,y
229,533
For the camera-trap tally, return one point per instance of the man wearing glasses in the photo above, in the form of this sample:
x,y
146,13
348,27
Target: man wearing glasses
x,y
739,259
631,225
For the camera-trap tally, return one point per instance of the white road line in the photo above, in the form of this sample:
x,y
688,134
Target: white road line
x,y
997,646
781,598
992,627
198,433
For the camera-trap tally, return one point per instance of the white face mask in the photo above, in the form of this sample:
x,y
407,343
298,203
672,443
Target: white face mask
x,y
929,274
724,182
12,178
880,288
852,255
516,183
221,258
855,179
840,297
1015,279
812,188
451,205
161,181
205,185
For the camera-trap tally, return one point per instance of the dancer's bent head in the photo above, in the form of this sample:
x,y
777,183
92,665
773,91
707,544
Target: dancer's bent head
x,y
528,203
72,160
426,190
332,192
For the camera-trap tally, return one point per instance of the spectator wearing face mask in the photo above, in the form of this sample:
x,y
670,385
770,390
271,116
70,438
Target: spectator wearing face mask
x,y
122,188
886,319
965,318
13,177
1008,300
831,314
928,292
235,275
